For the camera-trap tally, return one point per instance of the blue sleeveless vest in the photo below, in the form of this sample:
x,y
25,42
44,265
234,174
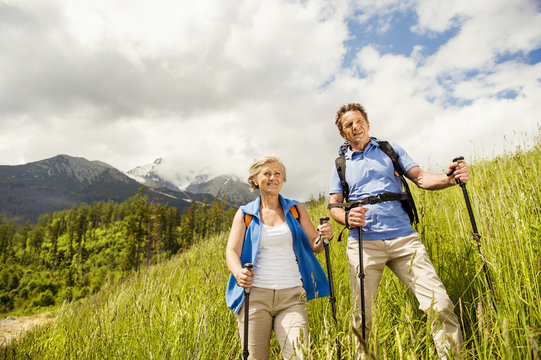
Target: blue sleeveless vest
x,y
314,280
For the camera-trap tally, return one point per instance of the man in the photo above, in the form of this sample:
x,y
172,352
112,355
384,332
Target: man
x,y
388,238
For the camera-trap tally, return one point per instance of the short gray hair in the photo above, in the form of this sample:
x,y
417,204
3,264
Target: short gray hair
x,y
344,109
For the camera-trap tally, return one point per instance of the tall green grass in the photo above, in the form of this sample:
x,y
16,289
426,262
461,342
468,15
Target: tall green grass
x,y
176,310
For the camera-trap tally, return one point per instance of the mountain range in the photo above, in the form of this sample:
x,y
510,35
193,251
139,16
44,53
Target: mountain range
x,y
236,191
30,190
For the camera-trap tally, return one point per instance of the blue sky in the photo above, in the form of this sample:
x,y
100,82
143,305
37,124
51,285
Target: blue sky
x,y
210,85
392,35
395,34
534,56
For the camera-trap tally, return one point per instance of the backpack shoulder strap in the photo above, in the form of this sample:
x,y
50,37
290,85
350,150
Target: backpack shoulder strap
x,y
295,212
340,164
389,151
247,219
409,204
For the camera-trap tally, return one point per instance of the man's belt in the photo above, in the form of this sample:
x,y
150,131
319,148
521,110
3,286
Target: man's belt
x,y
370,200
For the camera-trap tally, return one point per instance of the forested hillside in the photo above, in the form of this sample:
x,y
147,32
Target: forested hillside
x,y
71,254
61,182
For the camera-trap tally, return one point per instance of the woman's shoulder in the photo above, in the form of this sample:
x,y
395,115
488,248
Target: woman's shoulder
x,y
287,203
251,208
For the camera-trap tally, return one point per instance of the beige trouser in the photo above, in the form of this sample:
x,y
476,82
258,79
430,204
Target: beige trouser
x,y
283,311
408,259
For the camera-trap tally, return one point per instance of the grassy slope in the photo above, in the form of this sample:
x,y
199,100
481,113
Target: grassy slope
x,y
177,309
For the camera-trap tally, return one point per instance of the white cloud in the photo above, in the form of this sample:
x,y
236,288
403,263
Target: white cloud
x,y
488,31
509,76
213,84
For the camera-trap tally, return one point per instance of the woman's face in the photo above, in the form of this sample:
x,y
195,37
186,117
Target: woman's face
x,y
270,178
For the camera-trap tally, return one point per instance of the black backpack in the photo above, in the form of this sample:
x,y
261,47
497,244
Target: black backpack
x,y
408,204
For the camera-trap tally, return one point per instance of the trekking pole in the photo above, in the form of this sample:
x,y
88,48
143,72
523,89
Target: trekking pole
x,y
332,298
245,351
348,206
476,235
361,280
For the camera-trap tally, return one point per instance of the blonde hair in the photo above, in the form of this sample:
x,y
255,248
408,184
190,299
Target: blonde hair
x,y
256,166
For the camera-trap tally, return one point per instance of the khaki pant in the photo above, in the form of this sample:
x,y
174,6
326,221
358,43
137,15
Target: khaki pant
x,y
283,311
408,259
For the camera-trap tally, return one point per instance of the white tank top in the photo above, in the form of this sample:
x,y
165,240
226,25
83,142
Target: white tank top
x,y
276,265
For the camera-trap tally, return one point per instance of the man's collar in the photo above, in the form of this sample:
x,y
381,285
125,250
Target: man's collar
x,y
349,153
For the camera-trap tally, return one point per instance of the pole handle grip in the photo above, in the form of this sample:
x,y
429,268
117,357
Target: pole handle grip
x,y
248,266
322,220
456,159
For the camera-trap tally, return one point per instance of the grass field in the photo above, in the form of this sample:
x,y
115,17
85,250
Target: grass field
x,y
176,310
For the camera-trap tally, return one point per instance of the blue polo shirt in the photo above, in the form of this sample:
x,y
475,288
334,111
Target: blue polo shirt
x,y
371,172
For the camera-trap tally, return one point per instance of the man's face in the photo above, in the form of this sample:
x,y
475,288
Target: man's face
x,y
355,129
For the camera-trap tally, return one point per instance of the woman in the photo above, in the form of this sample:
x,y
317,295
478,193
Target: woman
x,y
286,272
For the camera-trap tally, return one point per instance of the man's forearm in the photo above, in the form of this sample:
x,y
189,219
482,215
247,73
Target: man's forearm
x,y
430,181
339,215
